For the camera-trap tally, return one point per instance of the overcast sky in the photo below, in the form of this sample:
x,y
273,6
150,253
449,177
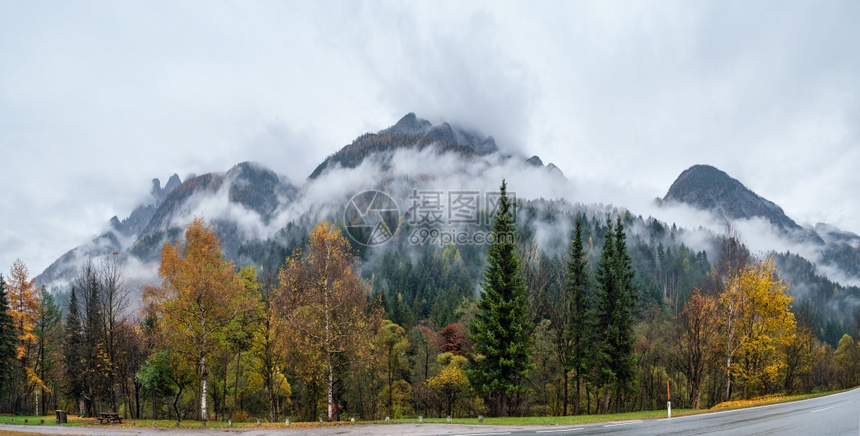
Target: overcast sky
x,y
97,98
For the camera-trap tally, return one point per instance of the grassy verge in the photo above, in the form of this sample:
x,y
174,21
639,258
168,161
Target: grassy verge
x,y
23,433
528,420
74,421
547,420
770,399
651,414
550,420
31,420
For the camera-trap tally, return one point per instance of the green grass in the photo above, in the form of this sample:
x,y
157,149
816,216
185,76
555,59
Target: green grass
x,y
72,421
586,419
528,420
550,420
31,420
75,421
23,433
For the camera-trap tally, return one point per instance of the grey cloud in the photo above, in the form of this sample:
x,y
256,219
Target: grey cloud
x,y
97,99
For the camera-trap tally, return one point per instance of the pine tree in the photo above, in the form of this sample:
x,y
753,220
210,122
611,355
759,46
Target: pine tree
x,y
8,342
501,330
46,329
614,358
72,350
624,358
95,364
579,314
605,309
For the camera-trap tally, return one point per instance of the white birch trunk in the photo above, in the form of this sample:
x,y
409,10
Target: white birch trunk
x,y
328,355
204,414
204,376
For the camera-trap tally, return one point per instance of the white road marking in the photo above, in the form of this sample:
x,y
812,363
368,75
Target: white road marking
x,y
480,434
746,409
559,431
821,410
622,423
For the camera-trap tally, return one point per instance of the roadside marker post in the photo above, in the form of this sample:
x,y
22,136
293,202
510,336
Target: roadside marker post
x,y
668,399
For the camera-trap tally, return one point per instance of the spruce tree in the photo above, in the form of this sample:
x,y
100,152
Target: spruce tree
x,y
46,330
624,358
73,341
8,341
605,311
579,313
501,330
614,358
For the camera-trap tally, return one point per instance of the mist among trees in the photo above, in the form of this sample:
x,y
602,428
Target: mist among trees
x,y
597,320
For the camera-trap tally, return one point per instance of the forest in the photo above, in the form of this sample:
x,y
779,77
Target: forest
x,y
598,321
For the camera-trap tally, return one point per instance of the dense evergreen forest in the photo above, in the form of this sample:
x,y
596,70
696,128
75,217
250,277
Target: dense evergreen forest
x,y
615,306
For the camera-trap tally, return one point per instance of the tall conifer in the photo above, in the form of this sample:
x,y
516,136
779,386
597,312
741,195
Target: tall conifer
x,y
579,313
624,357
8,341
615,361
73,342
501,330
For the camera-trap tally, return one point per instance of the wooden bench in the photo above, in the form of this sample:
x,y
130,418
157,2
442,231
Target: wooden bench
x,y
109,417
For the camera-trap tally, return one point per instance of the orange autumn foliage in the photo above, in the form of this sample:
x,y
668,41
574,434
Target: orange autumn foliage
x,y
23,306
200,293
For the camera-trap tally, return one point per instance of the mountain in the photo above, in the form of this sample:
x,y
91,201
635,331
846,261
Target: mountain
x,y
261,217
239,204
140,217
833,235
707,188
412,132
245,203
60,272
410,124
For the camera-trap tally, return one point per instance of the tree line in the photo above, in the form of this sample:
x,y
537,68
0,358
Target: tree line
x,y
586,332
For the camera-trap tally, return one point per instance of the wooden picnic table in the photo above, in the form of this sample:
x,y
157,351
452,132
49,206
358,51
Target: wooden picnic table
x,y
109,417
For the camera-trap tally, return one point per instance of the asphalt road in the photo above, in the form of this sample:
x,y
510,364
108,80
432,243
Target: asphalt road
x,y
834,415
837,414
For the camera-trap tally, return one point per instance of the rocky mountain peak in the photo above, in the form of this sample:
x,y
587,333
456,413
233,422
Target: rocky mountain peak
x,y
535,160
140,216
172,183
156,187
708,188
409,132
160,193
411,124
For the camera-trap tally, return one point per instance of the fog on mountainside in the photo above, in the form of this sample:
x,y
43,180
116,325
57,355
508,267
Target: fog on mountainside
x,y
261,217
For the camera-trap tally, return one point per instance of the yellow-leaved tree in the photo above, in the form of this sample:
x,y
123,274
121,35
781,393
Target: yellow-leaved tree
x,y
451,382
24,309
23,305
200,293
324,304
756,324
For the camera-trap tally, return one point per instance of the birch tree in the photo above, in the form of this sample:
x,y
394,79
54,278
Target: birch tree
x,y
323,302
756,322
200,293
